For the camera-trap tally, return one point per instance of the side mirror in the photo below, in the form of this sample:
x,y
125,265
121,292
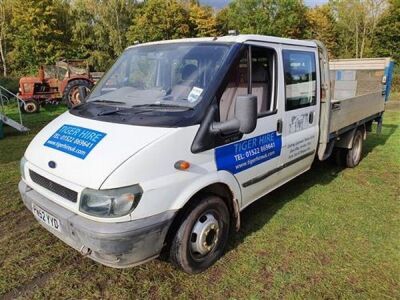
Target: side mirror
x,y
246,113
245,120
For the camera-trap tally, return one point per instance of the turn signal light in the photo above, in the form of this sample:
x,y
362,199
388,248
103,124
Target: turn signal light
x,y
182,165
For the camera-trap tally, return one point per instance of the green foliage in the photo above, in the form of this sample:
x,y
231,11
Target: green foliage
x,y
10,84
356,26
322,26
396,77
39,33
82,29
98,31
203,21
387,35
270,17
160,20
171,19
5,32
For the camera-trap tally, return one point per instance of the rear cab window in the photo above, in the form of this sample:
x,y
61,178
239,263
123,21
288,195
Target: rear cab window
x,y
300,79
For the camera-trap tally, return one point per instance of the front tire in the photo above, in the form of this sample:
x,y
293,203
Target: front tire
x,y
202,237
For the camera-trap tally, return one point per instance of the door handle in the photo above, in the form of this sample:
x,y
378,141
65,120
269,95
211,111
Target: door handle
x,y
311,117
335,106
279,126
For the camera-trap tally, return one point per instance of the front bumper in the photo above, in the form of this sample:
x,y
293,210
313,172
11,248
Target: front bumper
x,y
116,245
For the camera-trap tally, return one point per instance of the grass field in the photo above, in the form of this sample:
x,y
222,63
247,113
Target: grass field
x,y
331,233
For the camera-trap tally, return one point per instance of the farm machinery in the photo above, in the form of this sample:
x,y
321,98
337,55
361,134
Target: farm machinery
x,y
54,84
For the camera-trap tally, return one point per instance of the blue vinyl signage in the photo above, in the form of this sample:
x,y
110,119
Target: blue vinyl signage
x,y
74,140
248,153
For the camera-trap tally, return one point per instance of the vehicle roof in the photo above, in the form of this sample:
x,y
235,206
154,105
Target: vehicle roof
x,y
241,38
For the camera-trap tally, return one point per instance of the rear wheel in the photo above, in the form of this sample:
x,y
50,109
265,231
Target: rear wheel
x,y
30,106
71,92
202,237
351,157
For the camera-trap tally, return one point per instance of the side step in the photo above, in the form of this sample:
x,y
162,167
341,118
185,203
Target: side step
x,y
13,123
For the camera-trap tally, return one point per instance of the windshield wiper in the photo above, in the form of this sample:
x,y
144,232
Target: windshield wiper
x,y
109,112
164,105
107,101
117,110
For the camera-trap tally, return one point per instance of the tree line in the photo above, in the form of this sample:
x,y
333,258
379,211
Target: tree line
x,y
36,32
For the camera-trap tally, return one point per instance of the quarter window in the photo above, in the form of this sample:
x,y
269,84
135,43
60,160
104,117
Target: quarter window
x,y
300,79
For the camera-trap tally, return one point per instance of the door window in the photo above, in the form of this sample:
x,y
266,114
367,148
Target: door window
x,y
262,85
300,79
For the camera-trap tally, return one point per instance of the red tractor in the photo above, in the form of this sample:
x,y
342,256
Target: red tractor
x,y
54,84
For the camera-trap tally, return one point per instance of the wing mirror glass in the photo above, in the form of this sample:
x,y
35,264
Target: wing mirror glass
x,y
245,120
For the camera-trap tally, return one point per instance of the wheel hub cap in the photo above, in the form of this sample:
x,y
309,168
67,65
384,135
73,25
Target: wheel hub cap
x,y
29,107
204,235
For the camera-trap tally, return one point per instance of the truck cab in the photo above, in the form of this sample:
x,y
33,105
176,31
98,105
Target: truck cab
x,y
177,138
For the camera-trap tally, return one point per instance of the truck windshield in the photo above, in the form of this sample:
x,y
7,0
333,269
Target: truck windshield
x,y
172,75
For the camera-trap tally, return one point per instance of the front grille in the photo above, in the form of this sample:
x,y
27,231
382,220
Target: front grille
x,y
54,187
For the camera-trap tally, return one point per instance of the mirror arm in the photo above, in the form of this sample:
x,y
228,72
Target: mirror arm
x,y
82,93
227,127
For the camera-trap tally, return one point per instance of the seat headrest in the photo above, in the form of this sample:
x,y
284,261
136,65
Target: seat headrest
x,y
188,71
259,73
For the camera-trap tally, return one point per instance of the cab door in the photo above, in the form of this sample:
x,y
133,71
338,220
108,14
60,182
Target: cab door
x,y
300,120
255,158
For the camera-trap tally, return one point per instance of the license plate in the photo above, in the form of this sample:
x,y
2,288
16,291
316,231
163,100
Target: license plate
x,y
46,218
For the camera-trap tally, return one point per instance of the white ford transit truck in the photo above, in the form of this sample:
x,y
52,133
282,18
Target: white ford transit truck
x,y
179,136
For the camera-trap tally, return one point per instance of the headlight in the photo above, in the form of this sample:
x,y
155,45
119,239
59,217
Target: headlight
x,y
22,167
110,203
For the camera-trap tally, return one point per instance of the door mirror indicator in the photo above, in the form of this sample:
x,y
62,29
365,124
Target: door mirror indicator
x,y
245,120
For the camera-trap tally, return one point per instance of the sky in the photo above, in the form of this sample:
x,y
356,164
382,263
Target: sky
x,y
222,3
313,3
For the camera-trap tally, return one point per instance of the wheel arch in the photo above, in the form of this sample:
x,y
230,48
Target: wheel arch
x,y
346,139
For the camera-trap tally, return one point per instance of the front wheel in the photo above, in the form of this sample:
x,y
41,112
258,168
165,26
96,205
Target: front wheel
x,y
202,237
